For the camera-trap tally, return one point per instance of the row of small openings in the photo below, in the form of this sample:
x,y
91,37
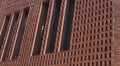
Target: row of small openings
x,y
88,29
12,34
93,2
92,57
91,25
82,57
94,7
84,51
94,43
96,16
54,26
101,63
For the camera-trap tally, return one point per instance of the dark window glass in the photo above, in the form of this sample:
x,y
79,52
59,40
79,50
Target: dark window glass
x,y
53,31
68,26
21,32
10,37
5,27
40,33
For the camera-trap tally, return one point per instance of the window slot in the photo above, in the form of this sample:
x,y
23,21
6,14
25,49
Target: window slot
x,y
53,31
68,25
21,33
10,37
4,30
40,33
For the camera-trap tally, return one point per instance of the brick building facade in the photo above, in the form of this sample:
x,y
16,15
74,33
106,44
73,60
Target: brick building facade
x,y
59,33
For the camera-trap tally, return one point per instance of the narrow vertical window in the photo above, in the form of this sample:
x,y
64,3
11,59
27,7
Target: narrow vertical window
x,y
40,33
21,32
68,26
51,44
10,37
5,26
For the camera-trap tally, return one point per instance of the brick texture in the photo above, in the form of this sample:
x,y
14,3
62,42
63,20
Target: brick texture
x,y
94,37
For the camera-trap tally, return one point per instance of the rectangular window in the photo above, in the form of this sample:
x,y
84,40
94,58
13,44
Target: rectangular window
x,y
10,37
21,32
68,26
40,33
51,45
5,26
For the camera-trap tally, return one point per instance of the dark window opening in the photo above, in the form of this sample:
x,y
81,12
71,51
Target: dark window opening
x,y
56,12
5,27
21,32
40,33
10,37
68,26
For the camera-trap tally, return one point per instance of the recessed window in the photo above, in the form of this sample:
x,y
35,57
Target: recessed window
x,y
21,33
53,32
11,35
41,26
4,30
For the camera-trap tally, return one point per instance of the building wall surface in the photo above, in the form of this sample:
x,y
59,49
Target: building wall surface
x,y
116,32
59,33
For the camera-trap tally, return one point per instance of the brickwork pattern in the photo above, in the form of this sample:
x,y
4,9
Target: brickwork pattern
x,y
94,37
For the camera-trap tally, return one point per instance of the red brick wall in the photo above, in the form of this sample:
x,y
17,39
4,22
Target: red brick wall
x,y
89,45
117,32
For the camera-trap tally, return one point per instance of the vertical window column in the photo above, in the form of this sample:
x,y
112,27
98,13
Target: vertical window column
x,y
10,37
40,29
68,25
53,29
5,26
21,33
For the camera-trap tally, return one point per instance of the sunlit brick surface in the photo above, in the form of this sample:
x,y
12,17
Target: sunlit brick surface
x,y
59,33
